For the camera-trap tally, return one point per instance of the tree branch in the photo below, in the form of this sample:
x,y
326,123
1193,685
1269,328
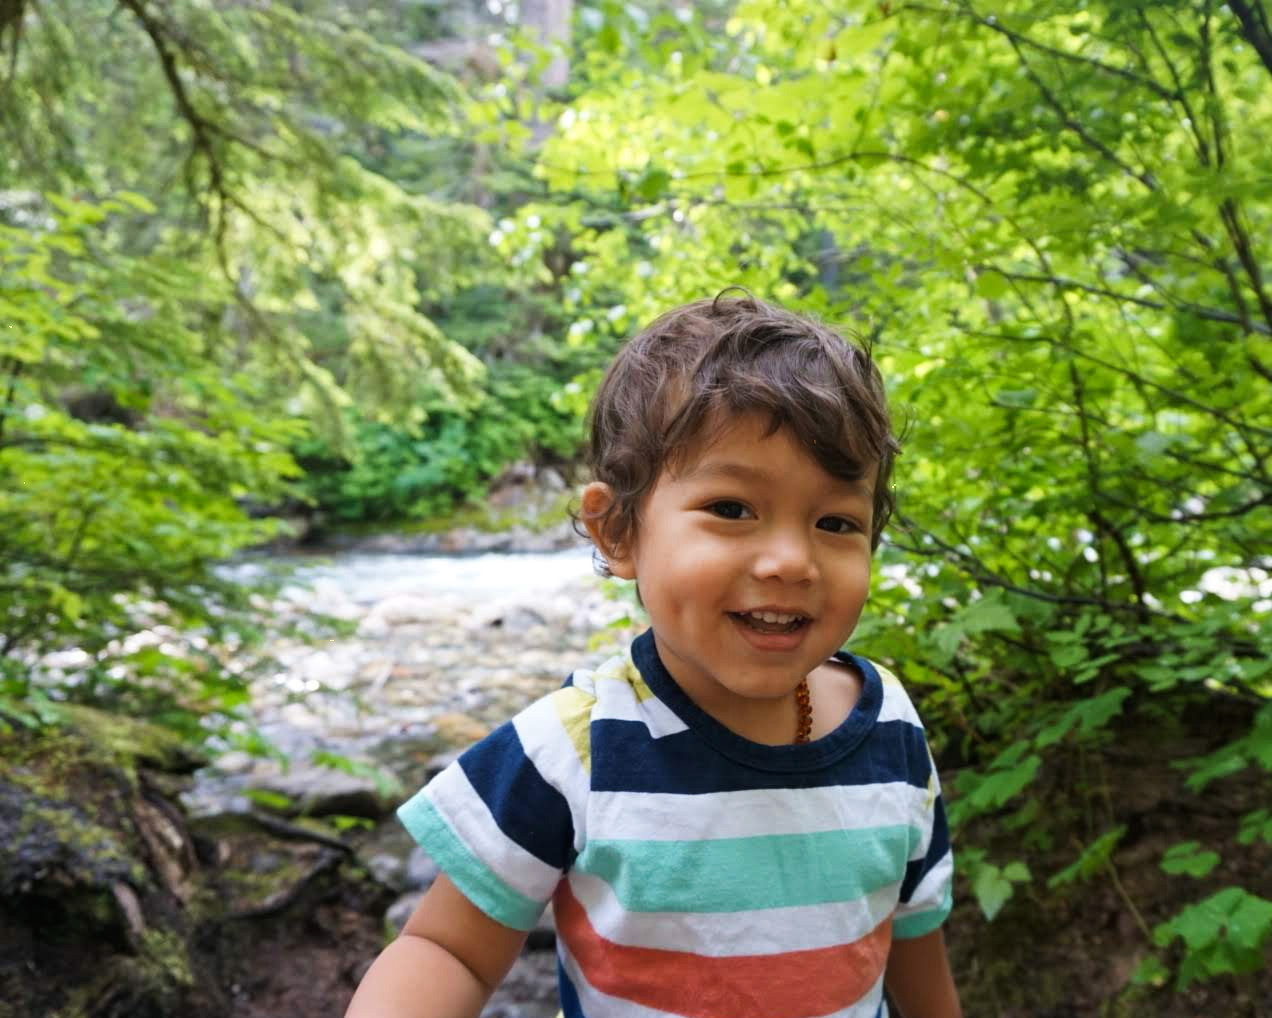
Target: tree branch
x,y
1203,148
1175,394
11,15
201,128
1210,314
14,371
1254,28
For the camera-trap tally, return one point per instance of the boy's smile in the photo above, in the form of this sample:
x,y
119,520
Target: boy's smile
x,y
753,563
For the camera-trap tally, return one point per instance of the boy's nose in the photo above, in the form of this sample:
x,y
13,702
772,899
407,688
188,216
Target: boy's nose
x,y
787,557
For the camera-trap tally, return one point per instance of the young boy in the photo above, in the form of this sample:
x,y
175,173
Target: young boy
x,y
734,818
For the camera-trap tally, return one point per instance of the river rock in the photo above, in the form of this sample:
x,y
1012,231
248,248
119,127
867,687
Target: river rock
x,y
400,911
389,869
421,870
396,611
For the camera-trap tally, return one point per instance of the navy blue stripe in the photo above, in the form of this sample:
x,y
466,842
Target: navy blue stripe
x,y
528,810
626,758
570,1006
917,869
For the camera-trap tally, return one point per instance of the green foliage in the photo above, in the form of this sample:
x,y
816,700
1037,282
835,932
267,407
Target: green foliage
x,y
424,471
191,288
1007,775
1050,225
127,446
1254,826
273,117
385,783
992,885
1094,858
1222,934
1189,857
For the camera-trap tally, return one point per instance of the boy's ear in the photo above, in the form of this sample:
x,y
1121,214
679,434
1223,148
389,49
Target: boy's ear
x,y
595,501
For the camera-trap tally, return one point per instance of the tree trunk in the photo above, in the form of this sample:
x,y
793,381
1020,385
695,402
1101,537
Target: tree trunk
x,y
549,20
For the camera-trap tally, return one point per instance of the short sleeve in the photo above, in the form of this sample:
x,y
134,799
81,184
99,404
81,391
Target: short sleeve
x,y
927,889
502,821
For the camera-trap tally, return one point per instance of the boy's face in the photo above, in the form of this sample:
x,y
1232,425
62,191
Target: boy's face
x,y
753,563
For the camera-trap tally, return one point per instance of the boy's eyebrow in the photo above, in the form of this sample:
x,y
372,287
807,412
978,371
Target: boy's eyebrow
x,y
743,471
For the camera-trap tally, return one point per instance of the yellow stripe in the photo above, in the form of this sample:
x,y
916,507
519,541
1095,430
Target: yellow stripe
x,y
886,676
574,708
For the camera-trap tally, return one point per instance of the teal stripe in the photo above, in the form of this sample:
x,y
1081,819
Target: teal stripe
x,y
922,923
742,874
480,885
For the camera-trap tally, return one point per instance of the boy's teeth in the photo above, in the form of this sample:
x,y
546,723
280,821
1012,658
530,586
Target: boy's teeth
x,y
779,617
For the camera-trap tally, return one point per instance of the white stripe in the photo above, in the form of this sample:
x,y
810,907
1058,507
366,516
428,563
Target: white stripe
x,y
730,934
930,894
550,749
471,820
925,818
669,816
594,1002
897,706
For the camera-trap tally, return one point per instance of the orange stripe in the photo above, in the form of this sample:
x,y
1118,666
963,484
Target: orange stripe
x,y
794,984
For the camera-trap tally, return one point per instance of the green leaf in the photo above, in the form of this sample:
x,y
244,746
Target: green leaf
x,y
992,889
989,614
990,284
276,802
1225,933
1189,857
1254,826
994,885
1008,775
652,184
1093,859
1150,972
1087,716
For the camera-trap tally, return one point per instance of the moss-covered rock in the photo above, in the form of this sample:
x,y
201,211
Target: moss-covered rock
x,y
110,907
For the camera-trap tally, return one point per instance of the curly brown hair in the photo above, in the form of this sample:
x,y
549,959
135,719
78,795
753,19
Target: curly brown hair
x,y
684,377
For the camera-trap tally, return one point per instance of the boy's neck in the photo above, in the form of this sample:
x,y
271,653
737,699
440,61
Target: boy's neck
x,y
834,689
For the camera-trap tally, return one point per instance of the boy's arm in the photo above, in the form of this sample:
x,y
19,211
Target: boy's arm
x,y
918,978
446,962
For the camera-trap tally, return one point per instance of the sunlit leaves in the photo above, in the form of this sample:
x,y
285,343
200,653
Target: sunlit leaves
x,y
256,145
128,450
1049,222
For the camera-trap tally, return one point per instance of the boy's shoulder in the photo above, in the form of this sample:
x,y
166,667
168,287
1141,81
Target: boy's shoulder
x,y
612,691
615,690
897,705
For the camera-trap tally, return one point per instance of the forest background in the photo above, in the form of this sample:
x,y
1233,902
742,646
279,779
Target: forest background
x,y
352,259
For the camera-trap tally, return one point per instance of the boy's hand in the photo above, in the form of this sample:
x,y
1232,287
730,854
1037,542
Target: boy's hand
x,y
919,980
446,963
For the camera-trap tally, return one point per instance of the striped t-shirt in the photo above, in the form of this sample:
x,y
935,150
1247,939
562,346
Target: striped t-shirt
x,y
692,871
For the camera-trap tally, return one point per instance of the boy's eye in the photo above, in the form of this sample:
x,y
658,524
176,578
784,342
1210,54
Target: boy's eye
x,y
729,510
838,525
